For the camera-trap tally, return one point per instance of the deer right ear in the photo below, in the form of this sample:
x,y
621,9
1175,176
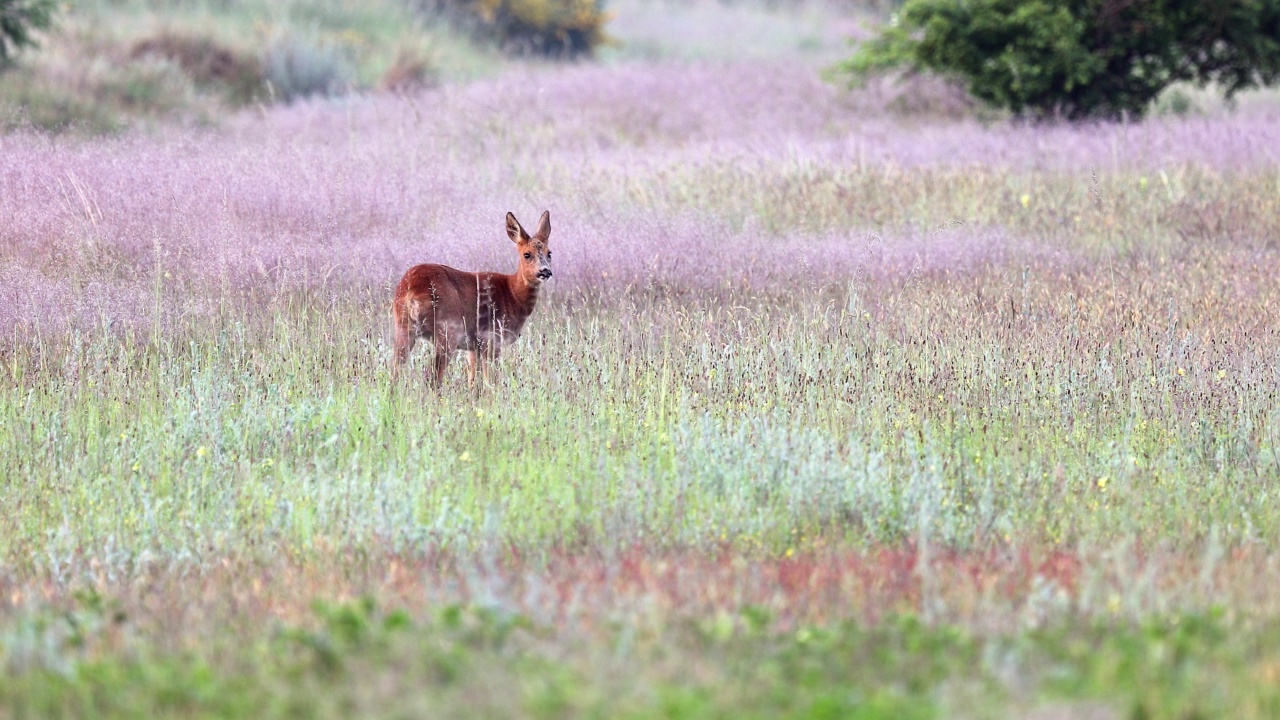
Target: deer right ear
x,y
514,231
543,233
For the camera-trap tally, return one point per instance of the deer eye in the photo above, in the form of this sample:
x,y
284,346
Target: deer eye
x,y
527,256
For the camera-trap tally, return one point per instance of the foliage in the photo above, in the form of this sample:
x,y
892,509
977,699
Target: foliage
x,y
797,387
296,69
407,72
471,660
208,63
818,417
18,18
117,64
29,101
553,28
1080,59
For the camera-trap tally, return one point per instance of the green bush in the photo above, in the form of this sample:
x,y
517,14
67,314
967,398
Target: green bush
x,y
297,69
206,62
1081,58
17,19
552,28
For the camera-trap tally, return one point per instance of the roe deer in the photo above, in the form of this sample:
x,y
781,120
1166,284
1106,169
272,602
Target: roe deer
x,y
477,312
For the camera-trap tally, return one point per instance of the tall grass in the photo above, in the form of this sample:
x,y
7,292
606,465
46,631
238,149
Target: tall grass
x,y
799,365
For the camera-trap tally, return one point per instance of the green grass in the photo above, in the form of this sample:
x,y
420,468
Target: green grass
x,y
265,454
789,435
475,662
650,421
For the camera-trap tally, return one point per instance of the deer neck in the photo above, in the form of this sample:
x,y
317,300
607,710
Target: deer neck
x,y
525,294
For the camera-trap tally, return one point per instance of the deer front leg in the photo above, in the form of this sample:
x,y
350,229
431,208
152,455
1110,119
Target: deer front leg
x,y
489,357
473,359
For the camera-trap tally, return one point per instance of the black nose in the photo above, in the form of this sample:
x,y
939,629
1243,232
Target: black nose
x,y
544,273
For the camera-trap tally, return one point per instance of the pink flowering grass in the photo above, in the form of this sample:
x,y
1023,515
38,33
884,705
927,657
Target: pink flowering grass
x,y
689,174
807,364
778,312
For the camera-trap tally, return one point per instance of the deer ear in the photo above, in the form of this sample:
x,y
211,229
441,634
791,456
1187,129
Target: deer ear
x,y
544,226
514,231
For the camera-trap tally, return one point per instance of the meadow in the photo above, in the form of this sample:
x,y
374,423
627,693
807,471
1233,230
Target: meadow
x,y
841,403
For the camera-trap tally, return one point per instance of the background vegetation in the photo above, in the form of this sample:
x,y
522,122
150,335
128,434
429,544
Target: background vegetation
x,y
831,409
115,63
18,19
1083,59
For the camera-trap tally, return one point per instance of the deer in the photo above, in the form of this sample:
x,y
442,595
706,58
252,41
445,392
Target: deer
x,y
474,311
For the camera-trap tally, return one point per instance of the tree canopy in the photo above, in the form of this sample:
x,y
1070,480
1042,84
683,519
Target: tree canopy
x,y
1081,58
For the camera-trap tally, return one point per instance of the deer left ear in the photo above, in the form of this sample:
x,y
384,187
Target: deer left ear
x,y
514,231
544,227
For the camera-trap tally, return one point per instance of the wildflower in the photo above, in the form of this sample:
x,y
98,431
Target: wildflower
x,y
1222,374
136,467
1102,482
479,413
1025,200
202,451
791,551
465,456
1181,372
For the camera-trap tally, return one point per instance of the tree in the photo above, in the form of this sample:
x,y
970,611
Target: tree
x,y
1079,58
18,18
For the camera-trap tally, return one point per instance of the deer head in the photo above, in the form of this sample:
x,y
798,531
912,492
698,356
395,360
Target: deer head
x,y
535,252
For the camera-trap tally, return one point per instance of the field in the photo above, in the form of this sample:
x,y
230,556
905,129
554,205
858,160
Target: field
x,y
842,403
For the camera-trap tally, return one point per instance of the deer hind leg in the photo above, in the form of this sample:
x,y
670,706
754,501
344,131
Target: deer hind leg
x,y
436,371
444,349
405,337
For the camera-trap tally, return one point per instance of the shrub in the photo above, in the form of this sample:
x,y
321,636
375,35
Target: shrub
x,y
409,71
552,28
31,100
1082,58
141,89
296,69
17,19
207,63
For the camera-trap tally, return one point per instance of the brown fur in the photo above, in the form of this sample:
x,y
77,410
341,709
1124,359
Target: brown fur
x,y
477,312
